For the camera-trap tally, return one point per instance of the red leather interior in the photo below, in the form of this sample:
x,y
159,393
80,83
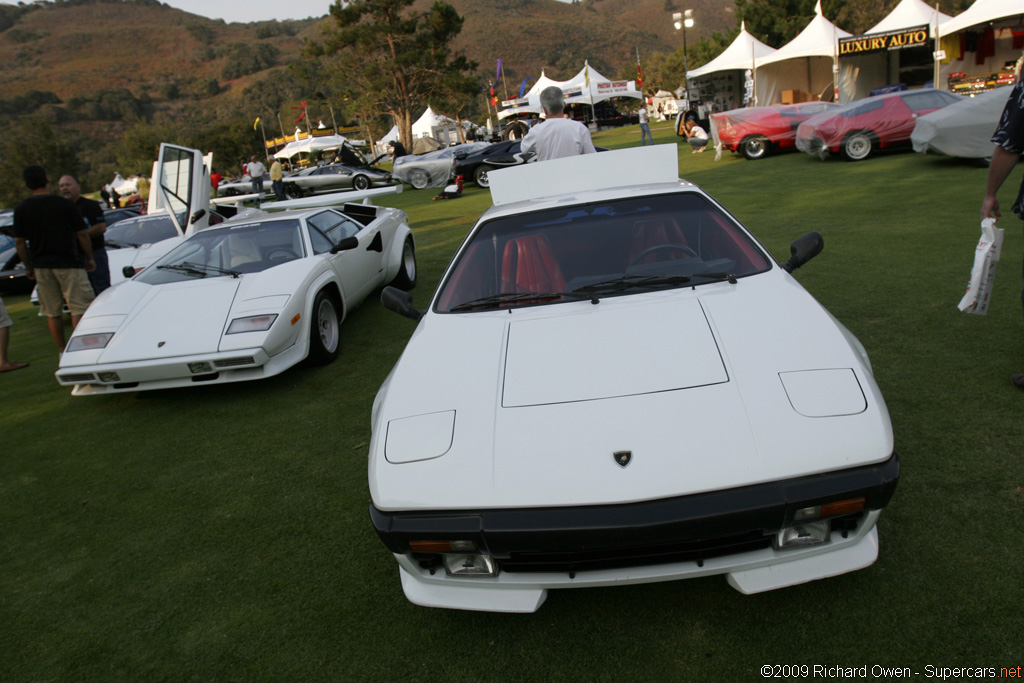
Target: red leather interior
x,y
529,265
651,233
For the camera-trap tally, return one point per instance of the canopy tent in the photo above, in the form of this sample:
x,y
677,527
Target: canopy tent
x,y
982,39
872,61
728,69
586,87
310,145
803,64
437,126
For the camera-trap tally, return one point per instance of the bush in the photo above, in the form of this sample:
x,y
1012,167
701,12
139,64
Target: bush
x,y
245,59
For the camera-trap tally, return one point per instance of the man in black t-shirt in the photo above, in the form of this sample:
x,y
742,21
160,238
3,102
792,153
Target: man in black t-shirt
x,y
52,242
96,225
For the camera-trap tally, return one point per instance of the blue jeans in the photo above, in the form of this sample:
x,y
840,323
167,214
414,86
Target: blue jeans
x,y
645,129
257,187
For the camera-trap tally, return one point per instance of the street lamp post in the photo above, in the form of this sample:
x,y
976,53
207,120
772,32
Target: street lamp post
x,y
683,20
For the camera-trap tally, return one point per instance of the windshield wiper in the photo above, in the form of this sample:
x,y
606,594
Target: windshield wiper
x,y
513,297
627,282
730,277
198,269
119,245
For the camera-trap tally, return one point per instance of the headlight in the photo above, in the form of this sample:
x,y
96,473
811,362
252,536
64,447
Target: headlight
x,y
253,323
87,342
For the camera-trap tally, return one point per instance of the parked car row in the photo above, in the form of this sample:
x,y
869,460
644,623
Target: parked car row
x,y
855,130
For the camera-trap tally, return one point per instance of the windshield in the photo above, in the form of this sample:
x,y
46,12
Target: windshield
x,y
592,251
229,252
134,232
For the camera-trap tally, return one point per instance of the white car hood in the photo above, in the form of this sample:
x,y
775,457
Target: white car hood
x,y
708,389
168,320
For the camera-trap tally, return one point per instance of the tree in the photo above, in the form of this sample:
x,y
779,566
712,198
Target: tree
x,y
389,57
33,140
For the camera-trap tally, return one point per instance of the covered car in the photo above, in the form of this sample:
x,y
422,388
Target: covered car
x,y
880,122
242,300
964,128
433,169
756,132
616,383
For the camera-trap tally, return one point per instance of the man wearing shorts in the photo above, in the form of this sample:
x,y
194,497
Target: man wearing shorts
x,y
54,245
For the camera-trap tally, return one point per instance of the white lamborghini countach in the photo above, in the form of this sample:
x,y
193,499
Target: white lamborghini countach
x,y
615,383
242,300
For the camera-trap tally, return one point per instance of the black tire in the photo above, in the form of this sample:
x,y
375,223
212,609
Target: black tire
x,y
755,147
293,191
480,175
324,329
230,192
419,179
406,278
858,146
361,182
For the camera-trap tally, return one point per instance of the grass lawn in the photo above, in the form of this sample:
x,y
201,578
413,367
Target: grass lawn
x,y
221,533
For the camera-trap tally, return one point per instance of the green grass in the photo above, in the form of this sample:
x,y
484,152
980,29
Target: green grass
x,y
221,533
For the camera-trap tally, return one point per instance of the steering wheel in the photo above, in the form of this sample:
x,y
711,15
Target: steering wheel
x,y
281,255
664,247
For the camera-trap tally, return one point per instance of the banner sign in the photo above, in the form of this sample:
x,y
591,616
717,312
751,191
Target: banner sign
x,y
614,87
516,102
892,40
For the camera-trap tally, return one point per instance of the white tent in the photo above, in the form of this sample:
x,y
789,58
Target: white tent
x,y
586,87
437,126
721,81
1001,17
804,63
740,55
862,73
310,145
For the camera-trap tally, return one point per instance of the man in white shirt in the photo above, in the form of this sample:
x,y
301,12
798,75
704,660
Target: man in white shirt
x,y
645,128
256,171
557,136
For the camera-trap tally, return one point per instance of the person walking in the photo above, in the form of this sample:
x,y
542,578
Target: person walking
x,y
645,128
557,136
53,243
1009,145
277,180
256,170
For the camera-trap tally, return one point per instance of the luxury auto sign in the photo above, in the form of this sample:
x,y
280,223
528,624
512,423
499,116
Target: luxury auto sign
x,y
892,40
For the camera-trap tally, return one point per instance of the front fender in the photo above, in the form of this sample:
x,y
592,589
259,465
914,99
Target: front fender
x,y
394,260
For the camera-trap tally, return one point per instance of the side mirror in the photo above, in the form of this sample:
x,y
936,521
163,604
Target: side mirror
x,y
345,245
197,215
128,272
400,302
803,250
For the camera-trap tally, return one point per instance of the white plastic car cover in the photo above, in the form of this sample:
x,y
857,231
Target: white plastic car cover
x,y
963,129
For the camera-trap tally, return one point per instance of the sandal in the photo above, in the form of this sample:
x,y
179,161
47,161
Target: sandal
x,y
13,365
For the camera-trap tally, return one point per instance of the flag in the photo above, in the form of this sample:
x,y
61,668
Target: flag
x,y
639,75
494,98
303,114
586,72
522,86
498,74
255,123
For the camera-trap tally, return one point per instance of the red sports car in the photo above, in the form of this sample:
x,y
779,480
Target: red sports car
x,y
858,128
755,132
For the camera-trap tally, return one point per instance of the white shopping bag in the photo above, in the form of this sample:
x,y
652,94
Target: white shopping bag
x,y
983,274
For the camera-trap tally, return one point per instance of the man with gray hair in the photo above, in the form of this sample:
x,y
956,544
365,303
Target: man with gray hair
x,y
557,136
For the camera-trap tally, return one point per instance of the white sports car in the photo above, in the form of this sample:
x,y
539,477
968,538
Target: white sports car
x,y
242,300
615,383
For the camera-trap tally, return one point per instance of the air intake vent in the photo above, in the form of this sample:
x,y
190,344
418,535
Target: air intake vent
x,y
234,362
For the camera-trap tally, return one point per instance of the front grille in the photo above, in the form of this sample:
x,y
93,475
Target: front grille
x,y
234,362
612,558
78,379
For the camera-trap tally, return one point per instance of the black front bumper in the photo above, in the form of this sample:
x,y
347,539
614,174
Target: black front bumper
x,y
686,528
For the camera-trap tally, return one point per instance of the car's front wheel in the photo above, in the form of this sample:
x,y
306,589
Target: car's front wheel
x,y
292,190
406,278
480,175
419,179
325,330
858,146
754,147
361,182
230,192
